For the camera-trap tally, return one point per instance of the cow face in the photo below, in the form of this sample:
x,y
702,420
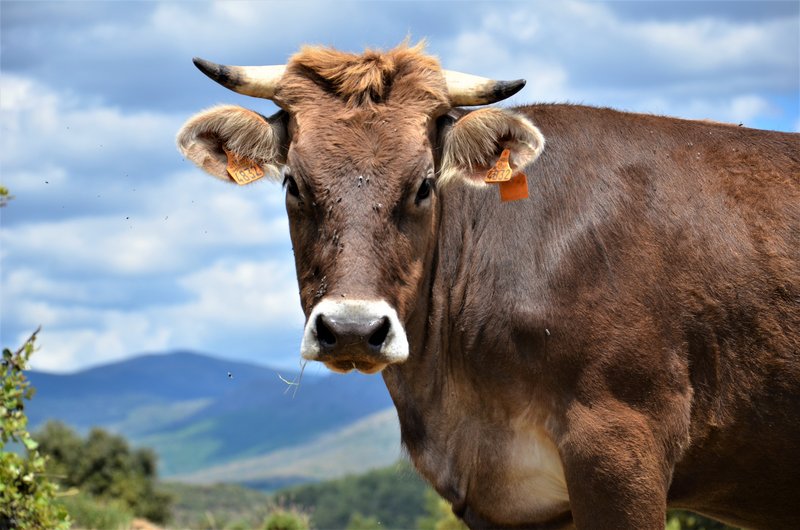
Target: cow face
x,y
364,147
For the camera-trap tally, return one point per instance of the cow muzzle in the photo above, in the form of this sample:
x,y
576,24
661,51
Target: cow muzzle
x,y
364,335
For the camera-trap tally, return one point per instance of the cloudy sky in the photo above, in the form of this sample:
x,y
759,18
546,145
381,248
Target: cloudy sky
x,y
117,246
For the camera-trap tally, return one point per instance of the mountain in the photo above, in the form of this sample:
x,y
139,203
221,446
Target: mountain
x,y
186,407
111,394
366,444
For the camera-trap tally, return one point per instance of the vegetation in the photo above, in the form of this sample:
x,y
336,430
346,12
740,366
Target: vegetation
x,y
89,512
104,467
5,196
26,494
287,519
218,506
394,497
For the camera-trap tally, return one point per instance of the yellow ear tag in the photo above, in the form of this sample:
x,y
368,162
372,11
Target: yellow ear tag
x,y
242,170
501,172
512,186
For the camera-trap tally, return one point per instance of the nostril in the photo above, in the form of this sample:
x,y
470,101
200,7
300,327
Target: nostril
x,y
324,334
377,339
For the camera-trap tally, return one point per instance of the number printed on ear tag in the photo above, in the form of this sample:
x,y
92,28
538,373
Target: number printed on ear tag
x,y
501,172
242,170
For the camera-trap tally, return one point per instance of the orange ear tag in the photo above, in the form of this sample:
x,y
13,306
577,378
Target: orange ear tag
x,y
501,172
514,189
511,187
242,170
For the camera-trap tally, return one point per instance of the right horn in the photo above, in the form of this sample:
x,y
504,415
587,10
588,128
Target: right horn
x,y
468,90
256,81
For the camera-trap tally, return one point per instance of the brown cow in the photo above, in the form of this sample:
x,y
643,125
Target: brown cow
x,y
625,340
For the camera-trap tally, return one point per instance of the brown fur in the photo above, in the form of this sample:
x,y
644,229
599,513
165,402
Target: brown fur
x,y
403,74
640,312
243,132
473,144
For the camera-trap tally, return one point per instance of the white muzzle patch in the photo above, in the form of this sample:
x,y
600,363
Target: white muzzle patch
x,y
394,348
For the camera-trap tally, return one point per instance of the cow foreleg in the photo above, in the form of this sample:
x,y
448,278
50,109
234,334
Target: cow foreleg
x,y
617,469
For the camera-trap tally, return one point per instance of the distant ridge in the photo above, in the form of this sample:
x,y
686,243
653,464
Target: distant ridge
x,y
185,406
180,373
369,443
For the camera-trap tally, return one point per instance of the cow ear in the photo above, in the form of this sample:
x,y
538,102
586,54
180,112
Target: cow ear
x,y
472,145
245,133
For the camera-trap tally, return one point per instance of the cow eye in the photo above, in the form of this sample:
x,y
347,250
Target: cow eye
x,y
291,186
424,190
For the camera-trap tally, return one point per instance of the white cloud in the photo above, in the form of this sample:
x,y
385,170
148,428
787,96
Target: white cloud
x,y
221,300
115,336
584,52
709,44
31,282
244,294
228,27
39,123
156,233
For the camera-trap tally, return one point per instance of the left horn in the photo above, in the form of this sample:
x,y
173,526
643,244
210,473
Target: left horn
x,y
468,90
256,81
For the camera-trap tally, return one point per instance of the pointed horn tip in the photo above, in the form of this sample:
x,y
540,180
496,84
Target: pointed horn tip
x,y
506,89
217,72
207,67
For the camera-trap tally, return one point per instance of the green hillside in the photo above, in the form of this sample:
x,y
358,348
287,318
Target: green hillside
x,y
194,415
392,498
366,444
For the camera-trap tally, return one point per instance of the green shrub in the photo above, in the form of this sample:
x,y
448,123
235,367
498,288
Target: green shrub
x,y
104,466
395,496
26,494
286,519
92,513
360,522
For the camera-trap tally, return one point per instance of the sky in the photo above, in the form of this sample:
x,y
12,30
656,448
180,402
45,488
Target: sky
x,y
117,246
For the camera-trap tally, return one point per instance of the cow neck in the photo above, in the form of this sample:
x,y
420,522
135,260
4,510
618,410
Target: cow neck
x,y
436,379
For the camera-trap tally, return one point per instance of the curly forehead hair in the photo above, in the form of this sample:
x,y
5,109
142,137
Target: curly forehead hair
x,y
362,80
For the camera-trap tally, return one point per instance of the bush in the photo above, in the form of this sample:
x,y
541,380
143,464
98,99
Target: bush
x,y
104,466
286,519
89,512
395,496
26,494
359,522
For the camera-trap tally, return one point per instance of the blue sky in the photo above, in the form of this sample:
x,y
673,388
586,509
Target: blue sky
x,y
117,246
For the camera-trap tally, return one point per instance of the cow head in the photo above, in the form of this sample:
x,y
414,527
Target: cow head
x,y
364,144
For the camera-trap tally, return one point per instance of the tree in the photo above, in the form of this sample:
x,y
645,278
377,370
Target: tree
x,y
26,494
104,466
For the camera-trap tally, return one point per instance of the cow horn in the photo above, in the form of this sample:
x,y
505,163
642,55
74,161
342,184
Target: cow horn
x,y
256,81
469,90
